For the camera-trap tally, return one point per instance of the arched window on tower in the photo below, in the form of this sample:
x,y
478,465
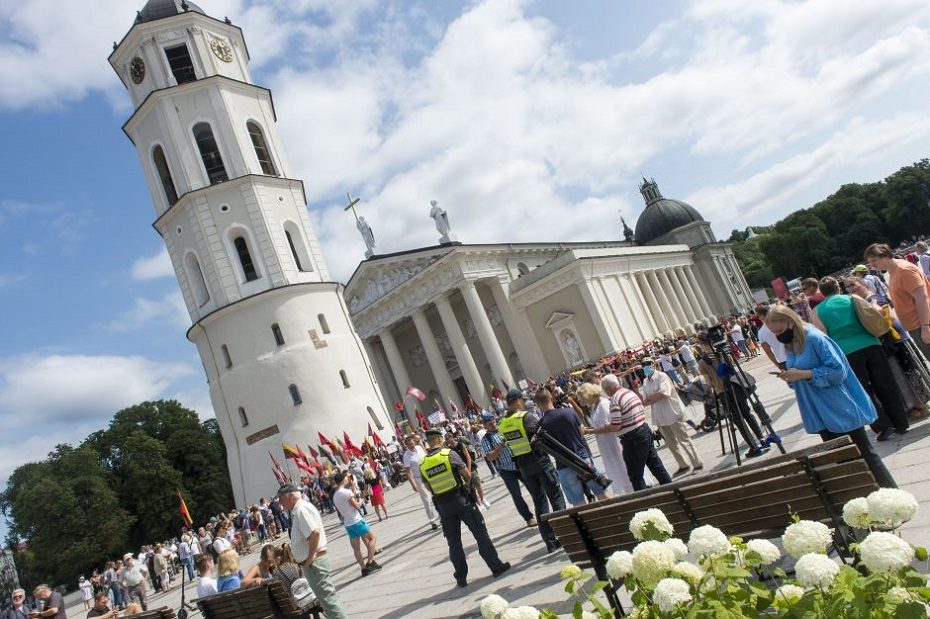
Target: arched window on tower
x,y
164,175
295,243
295,395
261,148
278,336
210,153
323,324
197,282
243,418
182,66
226,358
245,259
345,379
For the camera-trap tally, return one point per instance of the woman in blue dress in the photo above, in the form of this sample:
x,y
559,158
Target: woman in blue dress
x,y
830,397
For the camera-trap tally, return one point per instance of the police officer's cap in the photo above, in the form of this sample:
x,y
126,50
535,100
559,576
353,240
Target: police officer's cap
x,y
514,394
433,432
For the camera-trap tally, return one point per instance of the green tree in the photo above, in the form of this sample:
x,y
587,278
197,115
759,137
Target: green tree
x,y
906,210
752,260
67,512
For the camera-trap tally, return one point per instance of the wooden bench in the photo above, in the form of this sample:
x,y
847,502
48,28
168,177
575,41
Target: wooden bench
x,y
158,613
269,600
755,500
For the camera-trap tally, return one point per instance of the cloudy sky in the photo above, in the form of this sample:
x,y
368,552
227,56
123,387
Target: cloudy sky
x,y
527,121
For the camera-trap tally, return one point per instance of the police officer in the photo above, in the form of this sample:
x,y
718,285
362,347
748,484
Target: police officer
x,y
447,477
536,470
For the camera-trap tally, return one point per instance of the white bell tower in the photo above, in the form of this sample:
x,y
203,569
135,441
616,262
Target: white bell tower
x,y
281,355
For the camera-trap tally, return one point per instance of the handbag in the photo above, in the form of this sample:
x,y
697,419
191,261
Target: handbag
x,y
871,318
302,593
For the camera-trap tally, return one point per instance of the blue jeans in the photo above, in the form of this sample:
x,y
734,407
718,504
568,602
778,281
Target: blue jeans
x,y
573,486
639,452
116,595
188,562
512,481
673,374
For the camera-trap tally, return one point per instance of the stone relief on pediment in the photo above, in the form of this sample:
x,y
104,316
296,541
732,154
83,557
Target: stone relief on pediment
x,y
417,355
382,282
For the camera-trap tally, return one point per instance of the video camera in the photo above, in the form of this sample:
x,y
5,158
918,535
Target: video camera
x,y
716,335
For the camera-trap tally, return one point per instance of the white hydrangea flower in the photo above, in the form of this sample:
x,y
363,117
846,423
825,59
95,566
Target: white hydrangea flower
x,y
620,565
493,606
891,507
520,612
688,571
898,595
652,561
816,570
570,571
678,547
587,614
669,593
708,541
856,513
806,536
788,594
764,548
653,516
885,552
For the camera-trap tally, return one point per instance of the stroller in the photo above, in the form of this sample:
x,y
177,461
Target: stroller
x,y
698,391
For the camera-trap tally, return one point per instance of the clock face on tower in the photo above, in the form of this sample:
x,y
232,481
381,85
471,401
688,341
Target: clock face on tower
x,y
137,70
221,50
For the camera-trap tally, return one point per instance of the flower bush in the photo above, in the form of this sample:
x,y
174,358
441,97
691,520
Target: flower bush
x,y
730,577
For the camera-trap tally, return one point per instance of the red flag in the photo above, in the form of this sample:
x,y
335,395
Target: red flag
x,y
377,440
326,454
422,419
370,431
182,508
398,406
453,407
279,476
303,467
350,447
313,452
411,390
326,441
303,456
277,464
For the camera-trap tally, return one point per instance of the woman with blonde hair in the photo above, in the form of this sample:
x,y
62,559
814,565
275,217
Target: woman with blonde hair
x,y
830,397
608,443
227,571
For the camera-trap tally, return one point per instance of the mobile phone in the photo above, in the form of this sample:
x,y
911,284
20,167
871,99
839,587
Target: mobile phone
x,y
775,373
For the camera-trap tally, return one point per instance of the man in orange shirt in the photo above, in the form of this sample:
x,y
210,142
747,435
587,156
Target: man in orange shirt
x,y
909,290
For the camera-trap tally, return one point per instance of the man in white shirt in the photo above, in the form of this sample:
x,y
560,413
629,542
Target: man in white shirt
x,y
687,358
412,457
308,545
358,530
668,415
132,577
774,349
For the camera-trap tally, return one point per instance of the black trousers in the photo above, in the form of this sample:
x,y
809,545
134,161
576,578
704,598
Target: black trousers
x,y
639,452
452,513
737,402
871,367
542,482
861,439
512,481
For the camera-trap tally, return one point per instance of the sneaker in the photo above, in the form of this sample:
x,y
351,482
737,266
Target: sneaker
x,y
503,567
373,565
461,582
366,571
682,471
531,523
885,434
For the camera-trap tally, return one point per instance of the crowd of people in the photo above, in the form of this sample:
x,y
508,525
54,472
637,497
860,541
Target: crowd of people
x,y
852,347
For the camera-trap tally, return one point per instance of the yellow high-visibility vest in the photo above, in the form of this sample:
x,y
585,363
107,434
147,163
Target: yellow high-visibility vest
x,y
439,473
514,432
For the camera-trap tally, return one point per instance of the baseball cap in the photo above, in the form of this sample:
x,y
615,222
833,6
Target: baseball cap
x,y
647,361
514,394
433,432
487,417
860,268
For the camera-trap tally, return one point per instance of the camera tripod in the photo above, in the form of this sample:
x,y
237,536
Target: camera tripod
x,y
732,374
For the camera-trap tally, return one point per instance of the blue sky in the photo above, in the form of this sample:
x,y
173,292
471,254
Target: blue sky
x,y
513,115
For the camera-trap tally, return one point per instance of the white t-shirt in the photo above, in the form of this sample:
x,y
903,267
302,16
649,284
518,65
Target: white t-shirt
x,y
685,353
736,332
206,586
412,460
221,544
349,514
778,349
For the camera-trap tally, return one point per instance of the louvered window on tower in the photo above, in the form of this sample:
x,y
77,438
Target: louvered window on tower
x,y
295,394
278,336
164,175
243,418
210,153
261,149
245,259
182,67
290,243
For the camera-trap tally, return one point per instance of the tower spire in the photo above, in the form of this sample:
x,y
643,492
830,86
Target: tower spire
x,y
650,191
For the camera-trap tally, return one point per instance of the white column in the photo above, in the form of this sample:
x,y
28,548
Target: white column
x,y
401,378
657,315
462,353
637,316
727,285
672,295
684,299
702,300
437,364
382,375
492,348
521,334
668,315
690,295
606,335
652,328
613,311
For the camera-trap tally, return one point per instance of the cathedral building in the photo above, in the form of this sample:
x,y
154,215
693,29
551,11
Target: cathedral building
x,y
282,358
456,319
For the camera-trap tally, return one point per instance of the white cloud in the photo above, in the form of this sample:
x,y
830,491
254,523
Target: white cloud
x,y
36,390
153,267
198,400
9,279
171,307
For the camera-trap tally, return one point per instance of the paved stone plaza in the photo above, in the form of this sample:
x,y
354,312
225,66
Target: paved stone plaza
x,y
417,578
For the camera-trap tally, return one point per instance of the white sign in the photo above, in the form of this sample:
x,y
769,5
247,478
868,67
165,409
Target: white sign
x,y
437,417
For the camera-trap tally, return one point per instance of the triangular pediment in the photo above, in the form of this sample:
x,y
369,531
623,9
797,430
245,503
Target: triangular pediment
x,y
559,319
375,278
